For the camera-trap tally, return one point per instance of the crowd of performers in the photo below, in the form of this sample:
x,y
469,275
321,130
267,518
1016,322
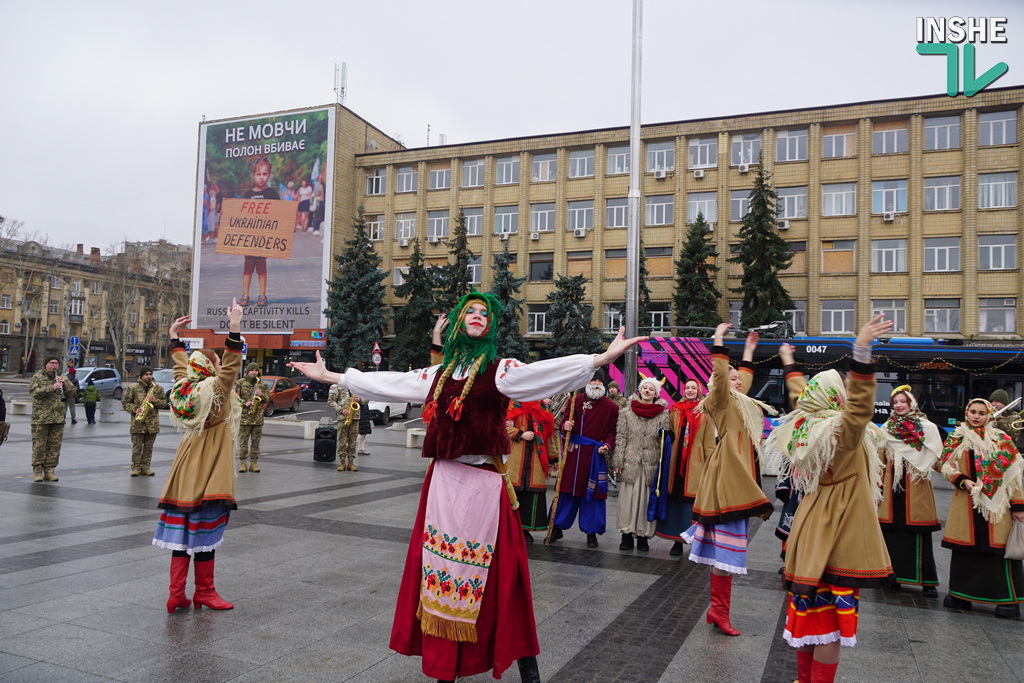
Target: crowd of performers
x,y
858,511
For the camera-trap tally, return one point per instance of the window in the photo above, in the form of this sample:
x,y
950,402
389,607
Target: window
x,y
739,204
473,173
838,142
997,190
837,316
581,163
401,270
440,178
797,317
894,310
618,160
735,309
659,261
536,318
542,217
661,315
5,327
660,210
543,167
376,181
613,317
375,228
542,266
406,180
581,215
837,256
437,224
889,195
133,317
791,145
163,319
617,212
942,132
997,252
703,152
475,270
941,254
579,263
506,220
942,194
746,148
405,226
95,287
701,202
55,306
76,286
76,307
614,263
942,315
798,261
890,141
888,256
506,171
474,220
792,202
5,301
661,156
997,128
998,315
839,199
55,282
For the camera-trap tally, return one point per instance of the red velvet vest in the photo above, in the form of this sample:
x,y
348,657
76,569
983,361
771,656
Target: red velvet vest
x,y
480,430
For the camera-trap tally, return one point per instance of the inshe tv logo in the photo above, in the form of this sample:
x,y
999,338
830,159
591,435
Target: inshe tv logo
x,y
942,36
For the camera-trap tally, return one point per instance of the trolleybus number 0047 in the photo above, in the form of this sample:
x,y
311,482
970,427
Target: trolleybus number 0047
x,y
816,349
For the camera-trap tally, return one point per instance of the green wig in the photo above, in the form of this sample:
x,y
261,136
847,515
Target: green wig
x,y
459,346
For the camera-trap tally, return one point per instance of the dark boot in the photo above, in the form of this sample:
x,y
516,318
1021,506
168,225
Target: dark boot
x,y
528,671
930,592
627,542
205,593
556,534
721,600
179,575
956,603
641,543
591,540
527,536
677,549
1008,611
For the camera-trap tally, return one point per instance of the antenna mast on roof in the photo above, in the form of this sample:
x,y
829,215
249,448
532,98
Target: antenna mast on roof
x,y
341,81
428,135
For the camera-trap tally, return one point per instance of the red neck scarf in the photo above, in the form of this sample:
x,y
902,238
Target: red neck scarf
x,y
541,421
646,410
690,419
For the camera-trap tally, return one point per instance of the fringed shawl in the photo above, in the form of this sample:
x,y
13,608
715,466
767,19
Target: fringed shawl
x,y
195,396
751,410
911,442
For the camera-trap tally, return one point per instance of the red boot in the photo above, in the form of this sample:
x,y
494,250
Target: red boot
x,y
179,574
804,663
205,593
823,673
721,598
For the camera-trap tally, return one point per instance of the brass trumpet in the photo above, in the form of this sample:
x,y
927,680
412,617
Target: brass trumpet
x,y
256,401
353,408
146,405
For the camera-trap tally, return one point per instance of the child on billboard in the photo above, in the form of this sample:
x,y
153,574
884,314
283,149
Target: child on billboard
x,y
260,190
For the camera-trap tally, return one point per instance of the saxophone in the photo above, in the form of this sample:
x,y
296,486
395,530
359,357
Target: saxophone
x,y
256,401
146,405
353,408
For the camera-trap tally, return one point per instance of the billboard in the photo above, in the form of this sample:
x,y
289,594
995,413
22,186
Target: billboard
x,y
262,225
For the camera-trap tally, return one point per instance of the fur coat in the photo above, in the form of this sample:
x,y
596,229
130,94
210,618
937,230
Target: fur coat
x,y
637,444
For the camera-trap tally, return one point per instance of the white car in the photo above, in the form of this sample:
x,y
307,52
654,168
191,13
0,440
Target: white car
x,y
381,412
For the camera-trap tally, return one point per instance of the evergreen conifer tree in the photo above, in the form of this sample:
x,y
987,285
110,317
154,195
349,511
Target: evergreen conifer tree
x,y
763,253
414,322
511,343
569,318
452,280
355,301
695,301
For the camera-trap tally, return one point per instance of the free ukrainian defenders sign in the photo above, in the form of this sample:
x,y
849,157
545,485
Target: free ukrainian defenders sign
x,y
257,227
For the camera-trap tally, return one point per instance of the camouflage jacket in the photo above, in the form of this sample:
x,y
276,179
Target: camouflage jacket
x,y
1005,422
48,403
339,398
133,399
247,388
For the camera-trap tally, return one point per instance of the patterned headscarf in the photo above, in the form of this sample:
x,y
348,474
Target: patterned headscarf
x,y
195,395
803,446
912,442
998,464
751,410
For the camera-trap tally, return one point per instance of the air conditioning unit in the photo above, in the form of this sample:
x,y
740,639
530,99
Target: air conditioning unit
x,y
711,226
782,225
503,236
889,216
535,236
580,232
744,168
699,173
659,174
403,242
432,239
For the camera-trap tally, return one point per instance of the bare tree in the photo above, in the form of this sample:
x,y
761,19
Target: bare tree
x,y
124,278
25,264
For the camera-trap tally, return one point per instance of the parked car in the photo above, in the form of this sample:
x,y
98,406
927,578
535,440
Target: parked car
x,y
313,390
165,378
381,412
106,380
284,393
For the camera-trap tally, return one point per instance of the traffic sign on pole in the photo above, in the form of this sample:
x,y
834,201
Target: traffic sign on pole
x,y
376,347
73,341
73,351
376,358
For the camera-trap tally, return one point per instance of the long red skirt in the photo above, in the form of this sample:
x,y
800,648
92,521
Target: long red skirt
x,y
508,601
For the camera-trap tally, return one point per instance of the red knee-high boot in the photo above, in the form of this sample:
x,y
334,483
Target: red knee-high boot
x,y
804,662
205,593
179,575
823,673
721,598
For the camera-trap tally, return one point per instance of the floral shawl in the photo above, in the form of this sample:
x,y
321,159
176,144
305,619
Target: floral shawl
x,y
911,442
195,395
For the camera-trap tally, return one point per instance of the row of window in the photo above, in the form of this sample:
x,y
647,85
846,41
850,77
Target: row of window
x,y
5,328
995,128
995,190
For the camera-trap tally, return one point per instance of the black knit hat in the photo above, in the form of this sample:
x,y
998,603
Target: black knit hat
x,y
600,376
144,369
49,358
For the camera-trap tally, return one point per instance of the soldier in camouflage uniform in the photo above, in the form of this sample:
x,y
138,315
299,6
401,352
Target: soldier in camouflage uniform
x,y
49,391
143,429
250,388
340,399
999,400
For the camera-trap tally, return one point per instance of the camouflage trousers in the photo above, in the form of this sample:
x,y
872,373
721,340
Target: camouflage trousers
x,y
142,450
46,442
249,441
347,439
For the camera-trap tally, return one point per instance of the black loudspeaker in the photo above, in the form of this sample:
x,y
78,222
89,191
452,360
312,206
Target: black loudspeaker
x,y
325,446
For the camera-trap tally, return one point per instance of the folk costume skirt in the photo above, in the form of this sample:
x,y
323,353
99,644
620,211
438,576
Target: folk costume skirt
x,y
828,616
192,532
913,561
505,628
723,546
985,578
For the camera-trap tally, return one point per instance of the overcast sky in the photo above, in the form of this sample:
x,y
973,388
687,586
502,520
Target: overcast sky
x,y
102,100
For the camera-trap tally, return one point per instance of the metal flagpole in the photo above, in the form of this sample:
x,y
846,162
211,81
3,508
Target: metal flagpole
x,y
633,204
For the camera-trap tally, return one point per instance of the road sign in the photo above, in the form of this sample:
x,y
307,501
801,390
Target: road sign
x,y
245,347
73,341
73,351
376,358
376,347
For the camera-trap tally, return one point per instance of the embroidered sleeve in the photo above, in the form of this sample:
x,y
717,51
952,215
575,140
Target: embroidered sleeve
x,y
544,378
407,387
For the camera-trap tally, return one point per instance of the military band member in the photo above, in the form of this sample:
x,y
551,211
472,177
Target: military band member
x,y
144,422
